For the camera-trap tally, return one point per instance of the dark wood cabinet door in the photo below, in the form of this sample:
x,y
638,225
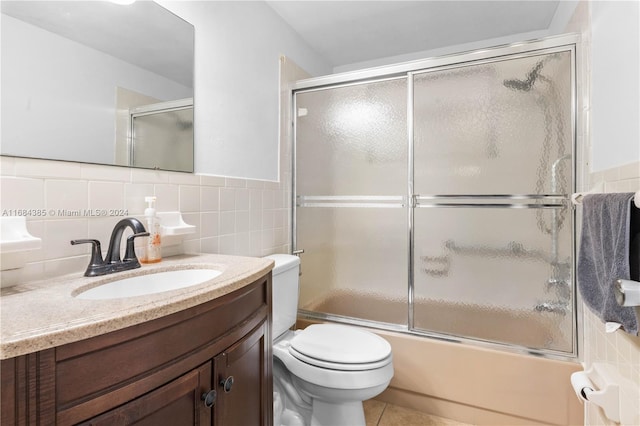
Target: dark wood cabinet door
x,y
243,376
177,403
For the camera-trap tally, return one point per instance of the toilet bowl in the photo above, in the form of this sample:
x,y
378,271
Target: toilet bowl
x,y
324,372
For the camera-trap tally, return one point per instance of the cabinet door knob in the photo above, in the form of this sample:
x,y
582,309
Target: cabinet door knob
x,y
209,398
227,383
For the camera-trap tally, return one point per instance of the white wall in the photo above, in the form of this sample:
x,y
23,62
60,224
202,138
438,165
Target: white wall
x,y
59,96
238,46
615,88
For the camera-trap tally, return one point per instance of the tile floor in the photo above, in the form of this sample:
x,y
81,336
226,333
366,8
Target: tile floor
x,y
378,413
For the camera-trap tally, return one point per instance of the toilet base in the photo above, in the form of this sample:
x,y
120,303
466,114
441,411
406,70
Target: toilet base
x,y
333,397
300,403
342,414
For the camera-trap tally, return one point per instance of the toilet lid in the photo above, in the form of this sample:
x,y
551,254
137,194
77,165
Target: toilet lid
x,y
331,343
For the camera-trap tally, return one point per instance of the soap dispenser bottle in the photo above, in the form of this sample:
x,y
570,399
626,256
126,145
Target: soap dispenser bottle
x,y
152,252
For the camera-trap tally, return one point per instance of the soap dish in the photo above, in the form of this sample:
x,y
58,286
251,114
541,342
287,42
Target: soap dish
x,y
171,223
15,242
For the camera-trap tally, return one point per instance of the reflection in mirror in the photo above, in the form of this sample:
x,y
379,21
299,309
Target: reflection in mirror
x,y
97,82
162,135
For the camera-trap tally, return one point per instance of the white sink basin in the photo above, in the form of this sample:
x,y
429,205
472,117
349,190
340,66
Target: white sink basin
x,y
149,284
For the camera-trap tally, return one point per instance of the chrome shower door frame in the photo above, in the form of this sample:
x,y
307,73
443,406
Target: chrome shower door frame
x,y
411,200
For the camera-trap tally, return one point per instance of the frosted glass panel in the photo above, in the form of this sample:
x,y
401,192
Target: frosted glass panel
x,y
353,140
351,150
490,274
495,128
164,140
355,262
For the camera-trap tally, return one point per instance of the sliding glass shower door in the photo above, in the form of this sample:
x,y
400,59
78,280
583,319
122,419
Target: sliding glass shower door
x,y
351,153
492,226
436,202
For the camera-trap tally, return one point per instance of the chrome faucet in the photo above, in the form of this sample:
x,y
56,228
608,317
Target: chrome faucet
x,y
112,262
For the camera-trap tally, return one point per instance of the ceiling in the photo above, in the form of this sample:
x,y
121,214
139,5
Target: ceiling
x,y
346,32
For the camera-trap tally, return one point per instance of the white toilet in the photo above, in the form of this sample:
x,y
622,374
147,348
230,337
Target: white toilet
x,y
321,374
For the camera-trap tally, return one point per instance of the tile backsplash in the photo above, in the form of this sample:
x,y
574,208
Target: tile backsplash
x,y
65,201
619,349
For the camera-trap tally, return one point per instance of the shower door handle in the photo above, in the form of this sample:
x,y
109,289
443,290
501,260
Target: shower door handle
x,y
298,253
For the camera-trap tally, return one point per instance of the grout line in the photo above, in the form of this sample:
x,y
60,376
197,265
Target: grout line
x,y
382,413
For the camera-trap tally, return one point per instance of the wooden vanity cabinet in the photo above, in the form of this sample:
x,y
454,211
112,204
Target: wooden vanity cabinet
x,y
206,365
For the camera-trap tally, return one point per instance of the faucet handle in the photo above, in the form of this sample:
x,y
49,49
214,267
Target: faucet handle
x,y
130,252
96,256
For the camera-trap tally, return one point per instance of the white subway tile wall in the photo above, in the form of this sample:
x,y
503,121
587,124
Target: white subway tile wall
x,y
65,201
619,348
63,195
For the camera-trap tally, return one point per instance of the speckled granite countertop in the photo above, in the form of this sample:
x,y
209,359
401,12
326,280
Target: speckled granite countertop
x,y
44,314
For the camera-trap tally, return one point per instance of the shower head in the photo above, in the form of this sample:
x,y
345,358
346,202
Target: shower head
x,y
525,85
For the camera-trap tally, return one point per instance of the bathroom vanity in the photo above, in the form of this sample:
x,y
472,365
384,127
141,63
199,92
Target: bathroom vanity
x,y
199,355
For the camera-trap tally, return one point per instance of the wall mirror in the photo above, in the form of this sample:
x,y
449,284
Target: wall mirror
x,y
97,82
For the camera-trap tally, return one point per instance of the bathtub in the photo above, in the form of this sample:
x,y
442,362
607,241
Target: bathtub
x,y
468,383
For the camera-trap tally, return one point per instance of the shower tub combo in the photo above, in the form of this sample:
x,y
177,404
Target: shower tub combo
x,y
432,205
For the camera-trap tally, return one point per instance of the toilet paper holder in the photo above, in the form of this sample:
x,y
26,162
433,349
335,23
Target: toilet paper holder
x,y
627,292
601,385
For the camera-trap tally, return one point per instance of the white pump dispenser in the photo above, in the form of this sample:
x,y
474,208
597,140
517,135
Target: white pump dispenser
x,y
152,253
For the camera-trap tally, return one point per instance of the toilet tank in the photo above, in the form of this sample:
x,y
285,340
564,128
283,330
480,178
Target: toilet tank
x,y
284,292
